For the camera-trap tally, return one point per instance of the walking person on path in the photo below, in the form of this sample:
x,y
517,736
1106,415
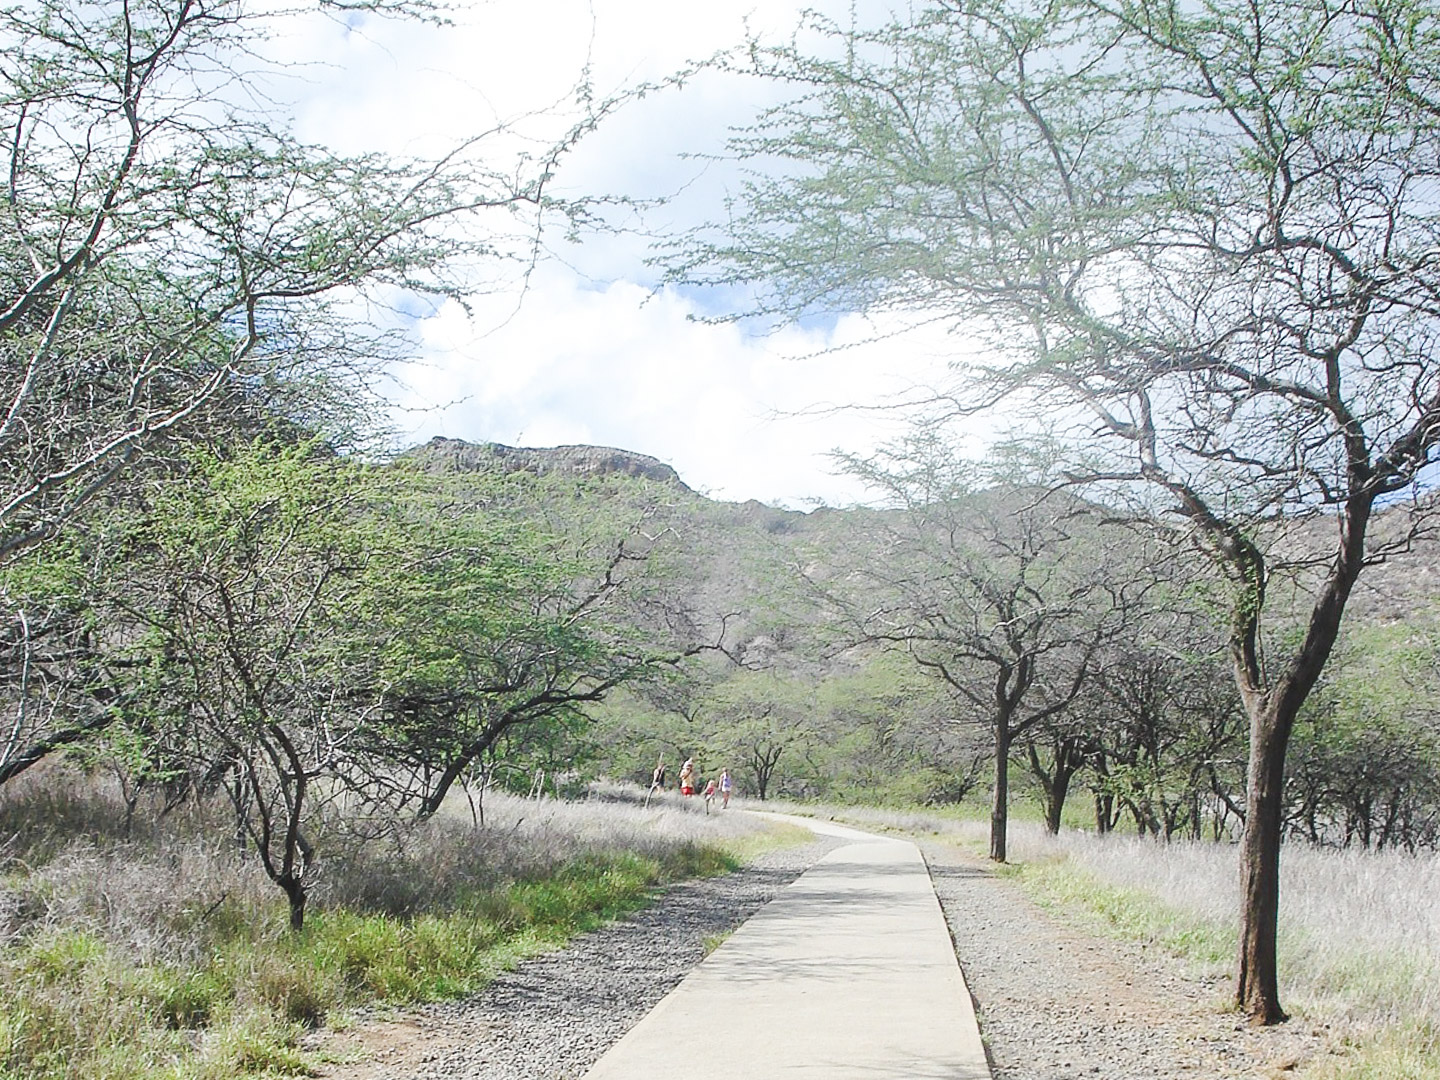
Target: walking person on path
x,y
657,779
687,777
725,785
709,794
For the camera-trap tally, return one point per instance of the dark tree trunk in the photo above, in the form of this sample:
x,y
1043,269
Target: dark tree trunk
x,y
1104,812
1069,760
1055,782
1257,989
295,893
454,768
433,799
1055,799
1000,802
765,760
1272,718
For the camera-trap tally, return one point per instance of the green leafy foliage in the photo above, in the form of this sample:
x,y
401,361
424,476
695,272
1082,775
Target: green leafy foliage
x,y
1185,236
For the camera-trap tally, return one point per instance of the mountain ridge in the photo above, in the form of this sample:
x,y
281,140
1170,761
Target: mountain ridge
x,y
446,454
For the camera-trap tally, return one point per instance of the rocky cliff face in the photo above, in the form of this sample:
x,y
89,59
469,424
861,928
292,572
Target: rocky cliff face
x,y
442,454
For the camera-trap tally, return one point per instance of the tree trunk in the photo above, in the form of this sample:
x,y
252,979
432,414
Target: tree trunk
x,y
1272,712
1068,761
1055,783
432,800
295,893
1257,987
1104,809
1055,799
1000,803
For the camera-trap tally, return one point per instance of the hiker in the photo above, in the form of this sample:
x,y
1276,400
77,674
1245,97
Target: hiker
x,y
709,794
657,780
687,777
725,785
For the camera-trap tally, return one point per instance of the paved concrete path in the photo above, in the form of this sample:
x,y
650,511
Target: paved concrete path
x,y
848,974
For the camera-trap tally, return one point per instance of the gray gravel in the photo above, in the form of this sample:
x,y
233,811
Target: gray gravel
x,y
1056,1001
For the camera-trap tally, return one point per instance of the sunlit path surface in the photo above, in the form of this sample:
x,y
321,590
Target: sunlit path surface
x,y
848,973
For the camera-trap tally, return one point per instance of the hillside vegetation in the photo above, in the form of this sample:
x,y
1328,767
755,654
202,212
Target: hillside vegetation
x,y
249,667
281,629
281,673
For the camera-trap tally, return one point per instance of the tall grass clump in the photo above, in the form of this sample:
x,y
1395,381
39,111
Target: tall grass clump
x,y
161,950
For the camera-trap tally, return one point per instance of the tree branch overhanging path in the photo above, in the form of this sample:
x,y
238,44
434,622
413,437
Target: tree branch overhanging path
x,y
1199,231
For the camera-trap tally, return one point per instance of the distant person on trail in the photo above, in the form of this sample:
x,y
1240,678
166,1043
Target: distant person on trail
x,y
709,794
725,785
657,780
687,777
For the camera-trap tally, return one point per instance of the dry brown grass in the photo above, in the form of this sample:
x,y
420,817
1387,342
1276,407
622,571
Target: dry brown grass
x,y
167,952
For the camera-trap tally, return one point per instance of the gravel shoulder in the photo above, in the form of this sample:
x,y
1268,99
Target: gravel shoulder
x,y
1055,1001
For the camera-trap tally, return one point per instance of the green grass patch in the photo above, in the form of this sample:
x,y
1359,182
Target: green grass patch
x,y
776,836
73,1005
1403,1052
1127,913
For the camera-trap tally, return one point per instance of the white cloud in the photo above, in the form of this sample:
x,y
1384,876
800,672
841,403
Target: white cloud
x,y
591,355
739,417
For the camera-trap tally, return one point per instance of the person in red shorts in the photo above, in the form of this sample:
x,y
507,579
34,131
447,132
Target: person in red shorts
x,y
687,777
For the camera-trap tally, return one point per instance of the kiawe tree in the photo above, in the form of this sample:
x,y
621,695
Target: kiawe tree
x,y
171,250
1005,592
1205,228
245,587
1168,744
176,264
520,601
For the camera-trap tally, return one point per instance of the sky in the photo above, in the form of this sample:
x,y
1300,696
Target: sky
x,y
590,350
